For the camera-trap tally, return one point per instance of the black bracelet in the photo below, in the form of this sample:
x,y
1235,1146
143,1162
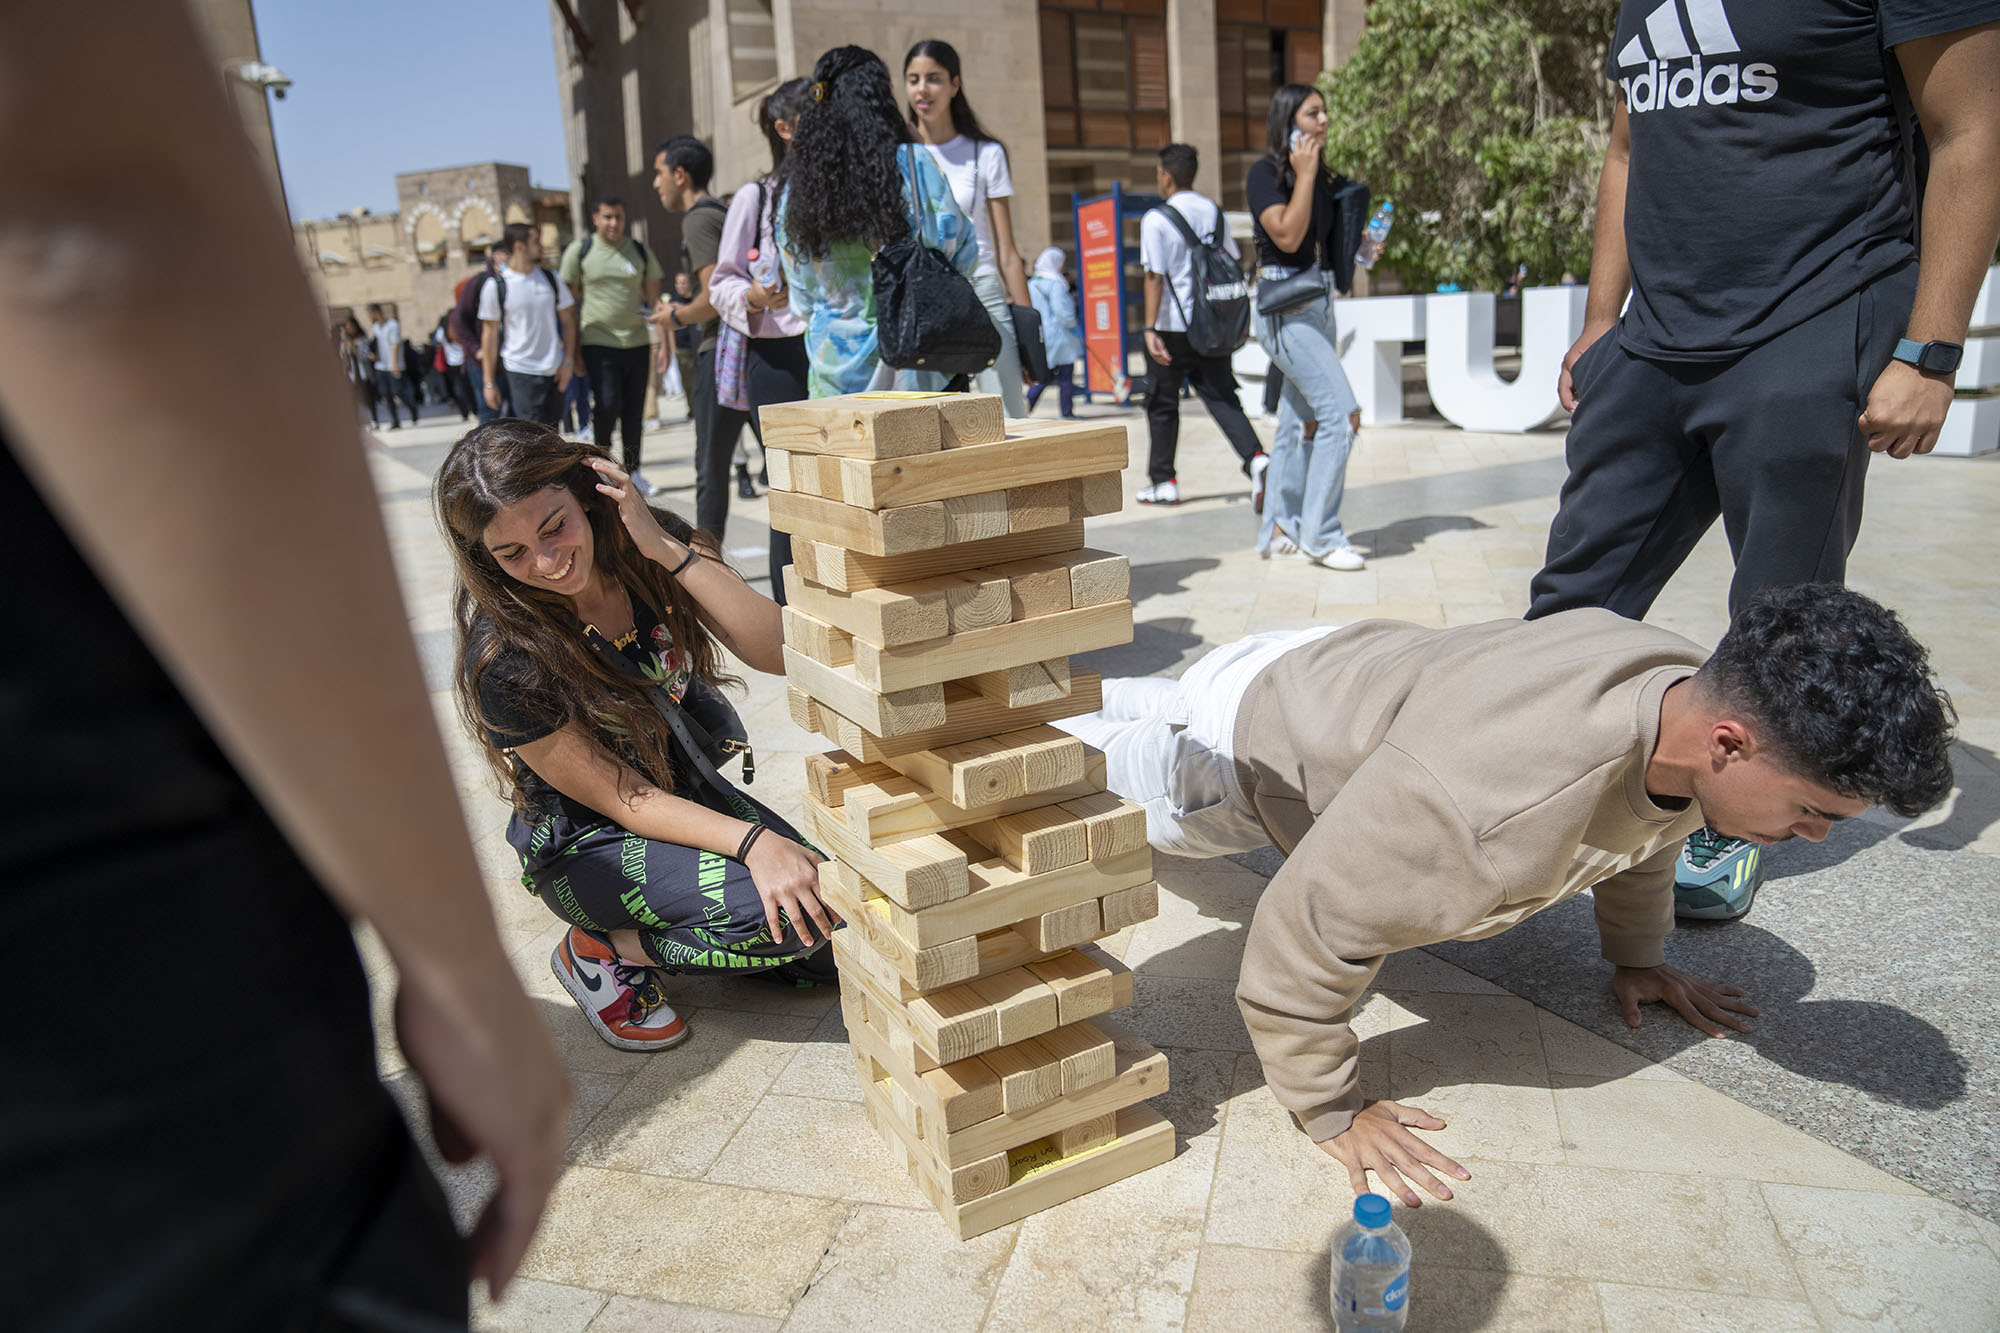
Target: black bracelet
x,y
749,839
692,556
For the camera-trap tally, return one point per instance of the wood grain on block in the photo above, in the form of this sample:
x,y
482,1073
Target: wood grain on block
x,y
917,873
1024,762
1044,838
880,615
1116,826
920,969
1030,1075
1022,1003
970,418
1051,758
805,559
778,467
829,776
1042,506
1128,907
956,1023
1100,495
1002,896
1094,1133
1087,982
889,807
854,427
1141,1073
876,531
987,1176
1065,927
1021,686
1035,587
976,599
875,712
1096,577
1024,458
805,713
966,1093
959,655
1087,1053
972,518
834,566
823,643
968,714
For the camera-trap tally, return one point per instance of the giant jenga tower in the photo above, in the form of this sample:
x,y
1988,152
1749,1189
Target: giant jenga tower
x,y
940,583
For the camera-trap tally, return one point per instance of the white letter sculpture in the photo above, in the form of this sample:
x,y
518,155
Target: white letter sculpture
x,y
1372,333
1458,360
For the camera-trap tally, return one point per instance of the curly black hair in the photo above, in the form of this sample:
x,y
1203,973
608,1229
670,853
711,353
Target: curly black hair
x,y
1841,691
841,177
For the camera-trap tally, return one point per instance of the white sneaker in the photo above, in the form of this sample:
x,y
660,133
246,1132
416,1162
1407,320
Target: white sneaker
x,y
1281,548
646,488
1260,466
1167,492
1343,557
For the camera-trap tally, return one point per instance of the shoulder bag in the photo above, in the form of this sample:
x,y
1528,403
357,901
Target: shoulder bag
x,y
927,316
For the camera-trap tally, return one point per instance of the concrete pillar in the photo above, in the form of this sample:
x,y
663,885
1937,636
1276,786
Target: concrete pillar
x,y
1194,105
1341,32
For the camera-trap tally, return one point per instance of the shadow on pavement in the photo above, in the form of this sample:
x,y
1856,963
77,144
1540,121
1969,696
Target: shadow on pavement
x,y
1405,535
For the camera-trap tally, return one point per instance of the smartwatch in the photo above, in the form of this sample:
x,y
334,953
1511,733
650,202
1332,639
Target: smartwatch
x,y
1939,358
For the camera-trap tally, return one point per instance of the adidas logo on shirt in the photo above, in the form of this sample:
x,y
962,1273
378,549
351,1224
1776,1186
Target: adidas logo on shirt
x,y
1660,86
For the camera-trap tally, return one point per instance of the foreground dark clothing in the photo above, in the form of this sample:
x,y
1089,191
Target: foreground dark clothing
x,y
1214,383
191,1136
618,396
776,372
716,431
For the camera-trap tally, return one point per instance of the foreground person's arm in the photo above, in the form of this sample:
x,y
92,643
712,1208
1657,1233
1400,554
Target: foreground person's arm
x,y
137,233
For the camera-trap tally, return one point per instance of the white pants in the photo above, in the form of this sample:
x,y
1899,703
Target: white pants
x,y
1169,746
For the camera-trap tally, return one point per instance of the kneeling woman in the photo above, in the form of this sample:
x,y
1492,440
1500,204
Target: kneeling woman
x,y
588,625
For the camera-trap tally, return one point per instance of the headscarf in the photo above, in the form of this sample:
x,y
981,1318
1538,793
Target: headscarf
x,y
1049,263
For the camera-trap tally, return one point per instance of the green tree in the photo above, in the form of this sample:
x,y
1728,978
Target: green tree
x,y
1485,122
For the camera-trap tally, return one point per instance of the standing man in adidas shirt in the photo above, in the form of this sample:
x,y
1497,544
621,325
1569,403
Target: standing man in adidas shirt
x,y
1755,204
1170,293
614,275
527,320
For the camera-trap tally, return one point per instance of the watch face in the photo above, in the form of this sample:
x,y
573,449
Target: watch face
x,y
1940,358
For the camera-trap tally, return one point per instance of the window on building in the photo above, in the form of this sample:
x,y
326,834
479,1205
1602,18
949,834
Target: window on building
x,y
1259,44
753,47
1104,74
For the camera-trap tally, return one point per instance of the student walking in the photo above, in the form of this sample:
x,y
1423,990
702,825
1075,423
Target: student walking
x,y
1295,221
748,289
529,322
856,181
613,275
387,336
466,332
975,164
452,357
1056,304
1168,236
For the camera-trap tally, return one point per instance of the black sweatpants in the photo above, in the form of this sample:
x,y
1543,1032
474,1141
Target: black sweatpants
x,y
1768,441
716,431
618,396
775,371
1213,383
535,397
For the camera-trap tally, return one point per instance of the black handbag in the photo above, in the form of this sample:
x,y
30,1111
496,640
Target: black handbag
x,y
1028,337
1281,296
927,316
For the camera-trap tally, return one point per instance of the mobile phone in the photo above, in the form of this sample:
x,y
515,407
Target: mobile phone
x,y
1298,137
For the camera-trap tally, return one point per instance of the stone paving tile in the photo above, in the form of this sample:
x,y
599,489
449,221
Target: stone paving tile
x,y
809,1145
892,1269
635,1314
536,1307
823,1067
1877,1261
1630,1309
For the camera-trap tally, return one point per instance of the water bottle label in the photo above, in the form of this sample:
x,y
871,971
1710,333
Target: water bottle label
x,y
1397,1293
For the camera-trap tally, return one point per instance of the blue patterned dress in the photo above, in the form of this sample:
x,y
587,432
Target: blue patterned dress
x,y
836,295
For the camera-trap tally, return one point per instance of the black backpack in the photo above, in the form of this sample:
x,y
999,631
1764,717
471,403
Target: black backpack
x,y
927,316
1220,320
500,291
591,240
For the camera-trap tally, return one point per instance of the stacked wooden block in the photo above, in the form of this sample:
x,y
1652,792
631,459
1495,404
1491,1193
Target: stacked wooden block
x,y
940,583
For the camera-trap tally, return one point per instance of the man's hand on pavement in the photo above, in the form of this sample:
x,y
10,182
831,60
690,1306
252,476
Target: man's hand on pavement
x,y
1704,1004
1905,410
1378,1141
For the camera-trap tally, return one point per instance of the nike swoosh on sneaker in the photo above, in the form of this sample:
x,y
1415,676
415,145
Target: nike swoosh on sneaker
x,y
586,975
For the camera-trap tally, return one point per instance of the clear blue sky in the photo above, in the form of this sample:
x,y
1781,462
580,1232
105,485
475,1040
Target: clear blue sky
x,y
382,86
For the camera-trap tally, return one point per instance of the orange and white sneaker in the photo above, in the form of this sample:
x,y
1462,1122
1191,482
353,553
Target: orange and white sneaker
x,y
621,1000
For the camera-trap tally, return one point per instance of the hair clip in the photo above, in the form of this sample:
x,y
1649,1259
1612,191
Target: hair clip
x,y
819,91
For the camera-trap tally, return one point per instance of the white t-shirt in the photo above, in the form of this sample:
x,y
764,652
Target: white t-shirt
x,y
977,172
531,341
454,355
1163,250
388,336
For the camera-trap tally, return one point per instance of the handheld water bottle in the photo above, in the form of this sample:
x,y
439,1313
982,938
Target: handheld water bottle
x,y
1377,235
764,268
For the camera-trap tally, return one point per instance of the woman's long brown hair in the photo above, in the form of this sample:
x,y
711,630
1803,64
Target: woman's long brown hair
x,y
509,460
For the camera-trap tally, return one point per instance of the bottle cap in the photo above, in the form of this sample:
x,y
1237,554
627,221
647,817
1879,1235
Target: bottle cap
x,y
754,256
1371,1210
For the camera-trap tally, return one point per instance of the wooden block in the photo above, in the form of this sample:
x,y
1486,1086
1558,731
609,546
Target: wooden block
x,y
1087,982
1116,825
880,615
1031,454
854,427
889,807
966,1092
977,599
1141,1073
1087,1053
1022,1003
968,714
1096,577
1001,895
876,531
1037,587
1044,838
1093,1133
970,418
1020,686
881,714
1128,907
1051,758
970,518
778,467
988,1175
984,772
960,655
823,643
1030,1075
920,969
830,776
958,1023
914,874
838,567
805,713
1041,506
805,559
1064,928
1099,495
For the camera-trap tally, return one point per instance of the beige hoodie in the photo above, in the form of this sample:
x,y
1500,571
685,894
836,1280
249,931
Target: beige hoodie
x,y
1430,785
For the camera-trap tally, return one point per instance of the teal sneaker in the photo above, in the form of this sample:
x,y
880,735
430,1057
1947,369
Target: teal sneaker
x,y
1717,877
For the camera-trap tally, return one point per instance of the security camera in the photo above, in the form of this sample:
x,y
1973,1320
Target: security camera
x,y
260,75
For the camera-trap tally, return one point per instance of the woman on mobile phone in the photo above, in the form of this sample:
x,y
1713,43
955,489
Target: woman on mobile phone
x,y
588,627
1295,222
975,163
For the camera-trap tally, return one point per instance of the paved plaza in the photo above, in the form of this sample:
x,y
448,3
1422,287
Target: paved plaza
x,y
1835,1170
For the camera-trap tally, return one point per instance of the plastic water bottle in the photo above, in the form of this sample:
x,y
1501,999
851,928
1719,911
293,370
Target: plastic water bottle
x,y
764,268
1371,1270
1377,235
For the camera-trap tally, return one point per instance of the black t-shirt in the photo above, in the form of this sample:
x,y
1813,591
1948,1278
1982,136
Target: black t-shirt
x,y
1766,181
517,710
1264,192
